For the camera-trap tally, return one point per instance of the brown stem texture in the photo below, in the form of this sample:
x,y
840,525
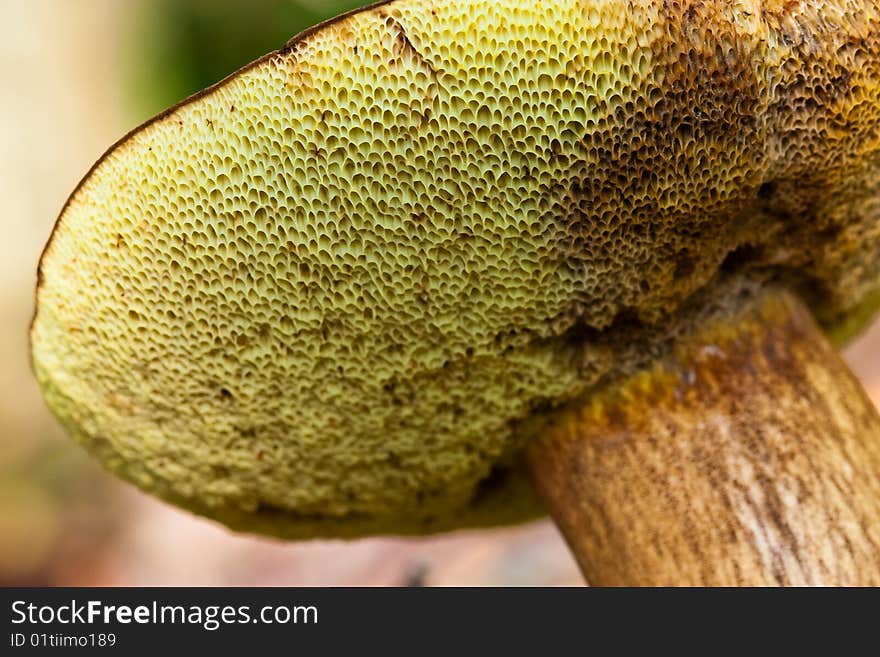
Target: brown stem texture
x,y
750,456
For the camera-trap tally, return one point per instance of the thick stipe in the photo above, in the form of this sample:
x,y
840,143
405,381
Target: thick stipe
x,y
750,456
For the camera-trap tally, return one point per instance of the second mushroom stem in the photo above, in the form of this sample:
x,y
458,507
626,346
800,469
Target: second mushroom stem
x,y
751,456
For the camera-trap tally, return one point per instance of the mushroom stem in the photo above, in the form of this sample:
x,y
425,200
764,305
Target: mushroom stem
x,y
751,456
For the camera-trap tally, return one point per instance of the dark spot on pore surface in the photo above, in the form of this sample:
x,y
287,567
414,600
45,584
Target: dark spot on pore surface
x,y
496,480
684,266
403,46
766,190
741,257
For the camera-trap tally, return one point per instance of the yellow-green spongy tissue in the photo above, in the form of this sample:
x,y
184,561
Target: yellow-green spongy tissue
x,y
316,299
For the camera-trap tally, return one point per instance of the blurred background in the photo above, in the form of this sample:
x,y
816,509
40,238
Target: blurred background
x,y
75,75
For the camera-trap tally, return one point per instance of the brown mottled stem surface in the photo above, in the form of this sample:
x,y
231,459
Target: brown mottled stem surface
x,y
750,457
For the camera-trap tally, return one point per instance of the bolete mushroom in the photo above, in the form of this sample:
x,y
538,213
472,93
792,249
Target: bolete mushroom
x,y
430,252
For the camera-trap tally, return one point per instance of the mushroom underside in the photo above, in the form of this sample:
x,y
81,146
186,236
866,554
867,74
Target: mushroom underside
x,y
309,302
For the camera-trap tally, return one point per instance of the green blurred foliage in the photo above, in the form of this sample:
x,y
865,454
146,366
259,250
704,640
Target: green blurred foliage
x,y
182,46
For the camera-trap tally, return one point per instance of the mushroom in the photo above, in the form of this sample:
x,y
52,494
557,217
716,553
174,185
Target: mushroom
x,y
451,264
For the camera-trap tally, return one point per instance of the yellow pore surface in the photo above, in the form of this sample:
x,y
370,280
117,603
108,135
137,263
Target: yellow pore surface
x,y
317,299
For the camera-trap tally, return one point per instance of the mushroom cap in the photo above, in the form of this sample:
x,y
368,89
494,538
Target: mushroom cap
x,y
318,298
